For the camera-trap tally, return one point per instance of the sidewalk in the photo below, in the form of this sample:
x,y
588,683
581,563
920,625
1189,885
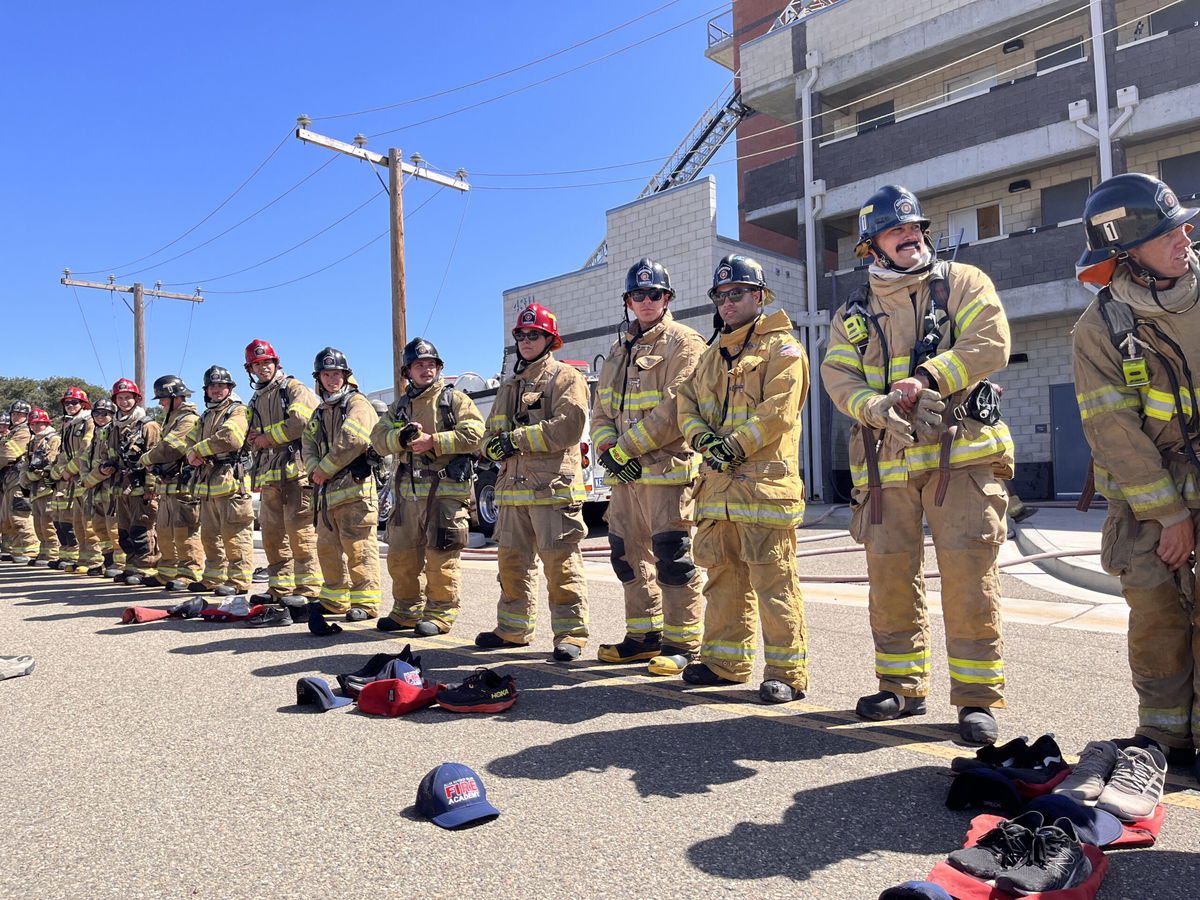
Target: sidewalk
x,y
1055,529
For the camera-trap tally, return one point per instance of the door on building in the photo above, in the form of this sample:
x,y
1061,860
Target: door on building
x,y
1069,451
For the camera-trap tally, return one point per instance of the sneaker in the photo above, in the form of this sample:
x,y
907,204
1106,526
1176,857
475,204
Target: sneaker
x,y
1056,862
566,652
235,606
426,629
351,683
15,666
1004,847
1136,785
668,664
489,640
631,649
887,705
485,691
699,673
977,725
270,618
358,614
774,691
1088,777
1176,756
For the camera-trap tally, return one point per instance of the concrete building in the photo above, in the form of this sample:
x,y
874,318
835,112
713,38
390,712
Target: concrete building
x,y
989,111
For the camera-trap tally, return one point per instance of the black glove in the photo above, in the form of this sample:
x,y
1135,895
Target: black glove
x,y
620,465
409,432
500,447
720,454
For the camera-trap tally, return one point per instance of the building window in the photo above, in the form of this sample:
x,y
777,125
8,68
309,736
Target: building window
x,y
977,82
1058,54
1182,173
1064,202
974,223
874,116
1181,15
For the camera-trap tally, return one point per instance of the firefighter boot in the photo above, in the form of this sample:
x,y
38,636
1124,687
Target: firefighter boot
x,y
886,705
632,649
977,725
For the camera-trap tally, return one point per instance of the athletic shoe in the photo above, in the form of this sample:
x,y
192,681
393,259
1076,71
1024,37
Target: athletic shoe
x,y
485,691
426,629
1176,756
668,664
270,618
1056,862
1136,785
699,673
887,705
15,666
1004,847
977,725
1088,777
489,640
235,606
631,649
774,691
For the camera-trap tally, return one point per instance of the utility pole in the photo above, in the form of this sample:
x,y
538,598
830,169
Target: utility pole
x,y
139,318
397,169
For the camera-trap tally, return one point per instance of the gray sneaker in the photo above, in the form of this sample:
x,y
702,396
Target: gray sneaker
x,y
1136,785
1091,773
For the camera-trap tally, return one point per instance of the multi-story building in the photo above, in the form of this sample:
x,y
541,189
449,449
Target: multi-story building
x,y
988,110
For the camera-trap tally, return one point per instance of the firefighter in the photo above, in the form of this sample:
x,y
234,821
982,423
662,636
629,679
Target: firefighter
x,y
635,431
215,447
38,485
77,542
432,430
741,411
100,499
345,502
20,542
534,431
1134,348
280,408
181,553
908,359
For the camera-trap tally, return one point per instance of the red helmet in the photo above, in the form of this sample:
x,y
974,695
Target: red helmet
x,y
537,316
38,415
74,393
124,384
258,351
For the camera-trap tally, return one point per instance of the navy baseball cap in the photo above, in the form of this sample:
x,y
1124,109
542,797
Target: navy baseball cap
x,y
317,692
985,788
452,795
1094,826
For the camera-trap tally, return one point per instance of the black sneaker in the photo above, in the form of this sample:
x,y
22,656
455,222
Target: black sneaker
x,y
1004,847
485,691
1056,862
270,618
699,673
886,705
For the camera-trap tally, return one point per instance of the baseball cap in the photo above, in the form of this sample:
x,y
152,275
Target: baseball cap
x,y
395,696
316,692
916,890
1094,826
452,795
984,788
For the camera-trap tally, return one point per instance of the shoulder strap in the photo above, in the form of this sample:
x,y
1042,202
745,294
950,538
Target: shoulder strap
x,y
446,408
854,318
1118,316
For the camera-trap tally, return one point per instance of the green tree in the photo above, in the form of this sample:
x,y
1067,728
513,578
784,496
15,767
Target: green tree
x,y
44,393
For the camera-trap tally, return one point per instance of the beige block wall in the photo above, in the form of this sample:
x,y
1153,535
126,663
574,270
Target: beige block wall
x,y
1145,157
1026,401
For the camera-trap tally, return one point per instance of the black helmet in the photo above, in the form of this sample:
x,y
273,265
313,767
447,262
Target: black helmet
x,y
737,269
646,274
104,406
1122,213
888,207
5,418
218,375
419,348
19,406
170,386
330,359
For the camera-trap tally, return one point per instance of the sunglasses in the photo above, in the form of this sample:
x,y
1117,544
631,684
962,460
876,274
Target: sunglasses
x,y
652,294
528,336
72,403
735,294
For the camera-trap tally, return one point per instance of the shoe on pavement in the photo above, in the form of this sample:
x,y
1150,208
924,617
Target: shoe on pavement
x,y
699,673
94,571
265,599
887,705
188,609
198,587
260,574
485,691
224,590
1176,756
669,664
1056,862
270,618
916,890
489,640
1136,785
5,557
566,651
631,649
977,725
15,666
1089,775
358,614
112,572
774,691
387,623
152,581
1004,847
426,628
132,579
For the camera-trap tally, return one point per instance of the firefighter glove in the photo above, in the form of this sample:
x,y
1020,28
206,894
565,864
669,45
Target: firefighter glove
x,y
720,454
409,432
880,412
500,447
620,465
927,416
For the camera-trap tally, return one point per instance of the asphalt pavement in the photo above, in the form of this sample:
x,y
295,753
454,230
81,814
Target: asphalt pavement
x,y
170,760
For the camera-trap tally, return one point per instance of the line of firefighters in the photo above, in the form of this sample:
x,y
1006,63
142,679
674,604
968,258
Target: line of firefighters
x,y
702,445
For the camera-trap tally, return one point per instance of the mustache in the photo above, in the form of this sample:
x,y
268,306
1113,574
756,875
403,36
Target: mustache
x,y
909,245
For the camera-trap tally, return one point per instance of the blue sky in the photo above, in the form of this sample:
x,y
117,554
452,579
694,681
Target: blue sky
x,y
129,122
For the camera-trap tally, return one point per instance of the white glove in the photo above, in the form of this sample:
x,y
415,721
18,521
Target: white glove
x,y
927,416
880,412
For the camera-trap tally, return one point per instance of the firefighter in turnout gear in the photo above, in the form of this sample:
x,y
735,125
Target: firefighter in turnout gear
x,y
534,431
345,503
908,359
16,521
741,411
181,554
132,433
1135,347
100,499
39,486
77,542
635,431
280,408
432,430
222,485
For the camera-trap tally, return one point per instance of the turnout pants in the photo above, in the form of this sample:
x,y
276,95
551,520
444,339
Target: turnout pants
x,y
136,516
227,533
43,526
752,574
551,534
289,540
108,538
179,545
348,549
87,552
24,537
968,529
1164,627
433,551
649,532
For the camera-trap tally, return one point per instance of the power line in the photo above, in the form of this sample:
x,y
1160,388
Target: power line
x,y
188,339
449,259
88,329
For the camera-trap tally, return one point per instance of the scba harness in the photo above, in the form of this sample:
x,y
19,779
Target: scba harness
x,y
461,467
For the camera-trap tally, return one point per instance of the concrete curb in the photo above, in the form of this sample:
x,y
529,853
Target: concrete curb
x,y
1080,576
